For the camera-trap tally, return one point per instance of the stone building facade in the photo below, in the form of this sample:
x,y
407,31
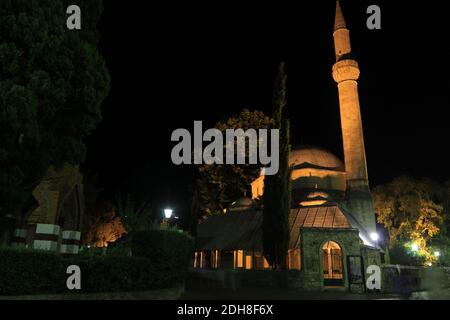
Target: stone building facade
x,y
55,222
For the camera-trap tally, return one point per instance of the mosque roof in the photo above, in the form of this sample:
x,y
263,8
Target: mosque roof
x,y
243,230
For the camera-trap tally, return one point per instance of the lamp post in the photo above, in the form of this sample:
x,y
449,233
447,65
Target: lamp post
x,y
167,215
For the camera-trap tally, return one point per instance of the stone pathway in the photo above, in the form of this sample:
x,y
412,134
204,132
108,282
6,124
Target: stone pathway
x,y
278,294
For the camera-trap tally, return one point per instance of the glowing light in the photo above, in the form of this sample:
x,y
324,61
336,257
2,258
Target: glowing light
x,y
168,213
374,236
312,203
437,254
429,264
415,247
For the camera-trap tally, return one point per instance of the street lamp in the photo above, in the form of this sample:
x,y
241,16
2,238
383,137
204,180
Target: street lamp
x,y
374,236
415,247
168,213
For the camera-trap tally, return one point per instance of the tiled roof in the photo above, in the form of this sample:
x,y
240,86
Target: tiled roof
x,y
243,230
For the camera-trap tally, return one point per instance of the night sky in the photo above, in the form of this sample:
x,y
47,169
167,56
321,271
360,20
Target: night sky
x,y
175,63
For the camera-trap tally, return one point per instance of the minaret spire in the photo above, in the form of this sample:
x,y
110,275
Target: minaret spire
x,y
341,34
339,21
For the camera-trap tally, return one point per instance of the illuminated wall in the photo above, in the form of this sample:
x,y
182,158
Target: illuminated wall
x,y
307,178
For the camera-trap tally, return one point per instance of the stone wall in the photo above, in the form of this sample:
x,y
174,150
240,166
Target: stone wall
x,y
395,279
406,279
371,256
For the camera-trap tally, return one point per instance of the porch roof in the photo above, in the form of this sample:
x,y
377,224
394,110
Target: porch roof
x,y
243,230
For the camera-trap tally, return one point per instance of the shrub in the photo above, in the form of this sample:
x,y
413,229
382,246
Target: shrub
x,y
170,250
122,250
115,274
160,260
25,271
399,254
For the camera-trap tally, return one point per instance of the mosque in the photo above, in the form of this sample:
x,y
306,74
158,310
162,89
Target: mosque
x,y
333,235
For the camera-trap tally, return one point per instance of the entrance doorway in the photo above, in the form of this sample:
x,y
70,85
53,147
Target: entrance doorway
x,y
333,270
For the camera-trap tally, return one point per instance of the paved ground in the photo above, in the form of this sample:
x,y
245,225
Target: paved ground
x,y
278,294
163,294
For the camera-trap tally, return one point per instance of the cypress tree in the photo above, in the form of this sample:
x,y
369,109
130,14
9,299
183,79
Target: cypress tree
x,y
194,212
277,188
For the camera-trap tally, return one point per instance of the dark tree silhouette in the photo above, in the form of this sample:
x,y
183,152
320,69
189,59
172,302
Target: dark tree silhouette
x,y
52,83
277,188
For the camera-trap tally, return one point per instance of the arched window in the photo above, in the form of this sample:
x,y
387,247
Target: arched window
x,y
333,269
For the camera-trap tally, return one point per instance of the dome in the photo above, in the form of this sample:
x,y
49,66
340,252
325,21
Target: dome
x,y
315,156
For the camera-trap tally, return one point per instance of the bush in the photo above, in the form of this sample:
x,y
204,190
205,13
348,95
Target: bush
x,y
170,250
160,260
398,254
25,271
115,274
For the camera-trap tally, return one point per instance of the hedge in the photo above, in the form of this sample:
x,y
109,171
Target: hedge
x,y
26,271
31,271
170,250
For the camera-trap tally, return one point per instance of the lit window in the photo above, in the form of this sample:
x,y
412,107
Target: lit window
x,y
248,262
239,258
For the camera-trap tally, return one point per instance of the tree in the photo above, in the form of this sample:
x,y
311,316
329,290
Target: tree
x,y
104,225
277,188
52,83
135,216
411,210
194,213
441,242
219,185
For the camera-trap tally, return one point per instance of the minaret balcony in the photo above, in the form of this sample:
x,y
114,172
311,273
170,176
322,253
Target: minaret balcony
x,y
345,70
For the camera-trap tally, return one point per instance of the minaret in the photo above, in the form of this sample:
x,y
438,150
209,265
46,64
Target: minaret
x,y
346,74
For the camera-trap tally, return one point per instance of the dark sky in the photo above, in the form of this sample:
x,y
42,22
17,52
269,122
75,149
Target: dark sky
x,y
175,63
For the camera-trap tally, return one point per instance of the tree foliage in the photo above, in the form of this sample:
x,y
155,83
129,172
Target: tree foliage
x,y
104,225
412,211
277,188
135,216
52,82
219,185
194,213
